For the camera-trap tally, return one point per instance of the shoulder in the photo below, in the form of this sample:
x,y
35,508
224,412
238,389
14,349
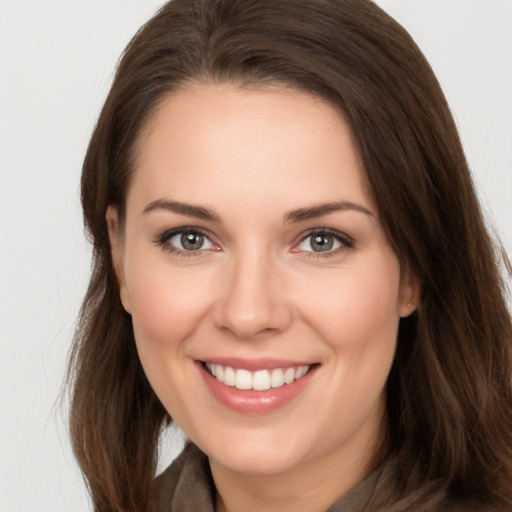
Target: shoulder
x,y
388,494
186,485
472,506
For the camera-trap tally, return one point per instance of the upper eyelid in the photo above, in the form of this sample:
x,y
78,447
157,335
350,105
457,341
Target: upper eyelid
x,y
169,233
334,232
165,235
347,243
162,241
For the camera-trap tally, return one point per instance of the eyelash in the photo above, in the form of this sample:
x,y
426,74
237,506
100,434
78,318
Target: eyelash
x,y
346,242
162,241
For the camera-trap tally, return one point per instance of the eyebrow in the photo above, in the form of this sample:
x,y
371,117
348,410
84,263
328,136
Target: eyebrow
x,y
316,211
200,212
293,216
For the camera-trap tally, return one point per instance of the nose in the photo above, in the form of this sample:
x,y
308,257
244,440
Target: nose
x,y
253,300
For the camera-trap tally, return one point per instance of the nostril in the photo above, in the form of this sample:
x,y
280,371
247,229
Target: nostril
x,y
250,319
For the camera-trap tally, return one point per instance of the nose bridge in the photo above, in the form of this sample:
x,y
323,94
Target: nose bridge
x,y
253,301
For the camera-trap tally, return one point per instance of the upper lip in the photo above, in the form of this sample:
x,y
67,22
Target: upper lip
x,y
256,364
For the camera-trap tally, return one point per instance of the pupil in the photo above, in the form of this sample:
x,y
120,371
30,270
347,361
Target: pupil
x,y
192,241
321,243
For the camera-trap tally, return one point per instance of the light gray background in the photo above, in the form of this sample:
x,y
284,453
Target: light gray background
x,y
56,63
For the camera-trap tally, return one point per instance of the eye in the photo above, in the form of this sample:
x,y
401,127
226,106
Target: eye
x,y
190,241
324,241
185,240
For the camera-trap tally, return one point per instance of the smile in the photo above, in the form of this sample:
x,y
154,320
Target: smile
x,y
260,380
256,386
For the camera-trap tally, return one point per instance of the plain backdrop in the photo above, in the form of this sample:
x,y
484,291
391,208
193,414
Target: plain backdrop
x,y
56,63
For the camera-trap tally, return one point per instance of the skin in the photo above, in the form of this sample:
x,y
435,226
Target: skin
x,y
256,288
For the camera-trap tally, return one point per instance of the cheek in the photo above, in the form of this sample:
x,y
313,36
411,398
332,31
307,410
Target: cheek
x,y
166,304
354,307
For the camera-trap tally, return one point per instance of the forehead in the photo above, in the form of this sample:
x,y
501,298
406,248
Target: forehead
x,y
216,142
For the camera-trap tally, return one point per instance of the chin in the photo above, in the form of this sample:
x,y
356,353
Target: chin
x,y
256,455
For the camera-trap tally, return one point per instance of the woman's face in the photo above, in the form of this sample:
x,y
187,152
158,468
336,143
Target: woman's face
x,y
252,249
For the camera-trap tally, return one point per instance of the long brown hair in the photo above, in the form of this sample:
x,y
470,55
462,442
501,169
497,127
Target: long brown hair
x,y
449,391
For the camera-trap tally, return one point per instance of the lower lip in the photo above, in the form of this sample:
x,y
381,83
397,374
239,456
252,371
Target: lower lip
x,y
251,401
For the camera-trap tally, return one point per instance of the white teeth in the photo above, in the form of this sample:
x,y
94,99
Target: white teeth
x,y
289,375
243,379
229,376
260,380
277,378
301,372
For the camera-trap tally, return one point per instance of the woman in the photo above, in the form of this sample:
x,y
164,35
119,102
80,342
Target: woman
x,y
291,264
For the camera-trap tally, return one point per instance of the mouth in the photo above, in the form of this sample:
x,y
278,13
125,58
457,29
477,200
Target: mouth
x,y
260,380
256,387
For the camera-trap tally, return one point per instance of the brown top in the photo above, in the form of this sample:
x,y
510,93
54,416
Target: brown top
x,y
187,486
